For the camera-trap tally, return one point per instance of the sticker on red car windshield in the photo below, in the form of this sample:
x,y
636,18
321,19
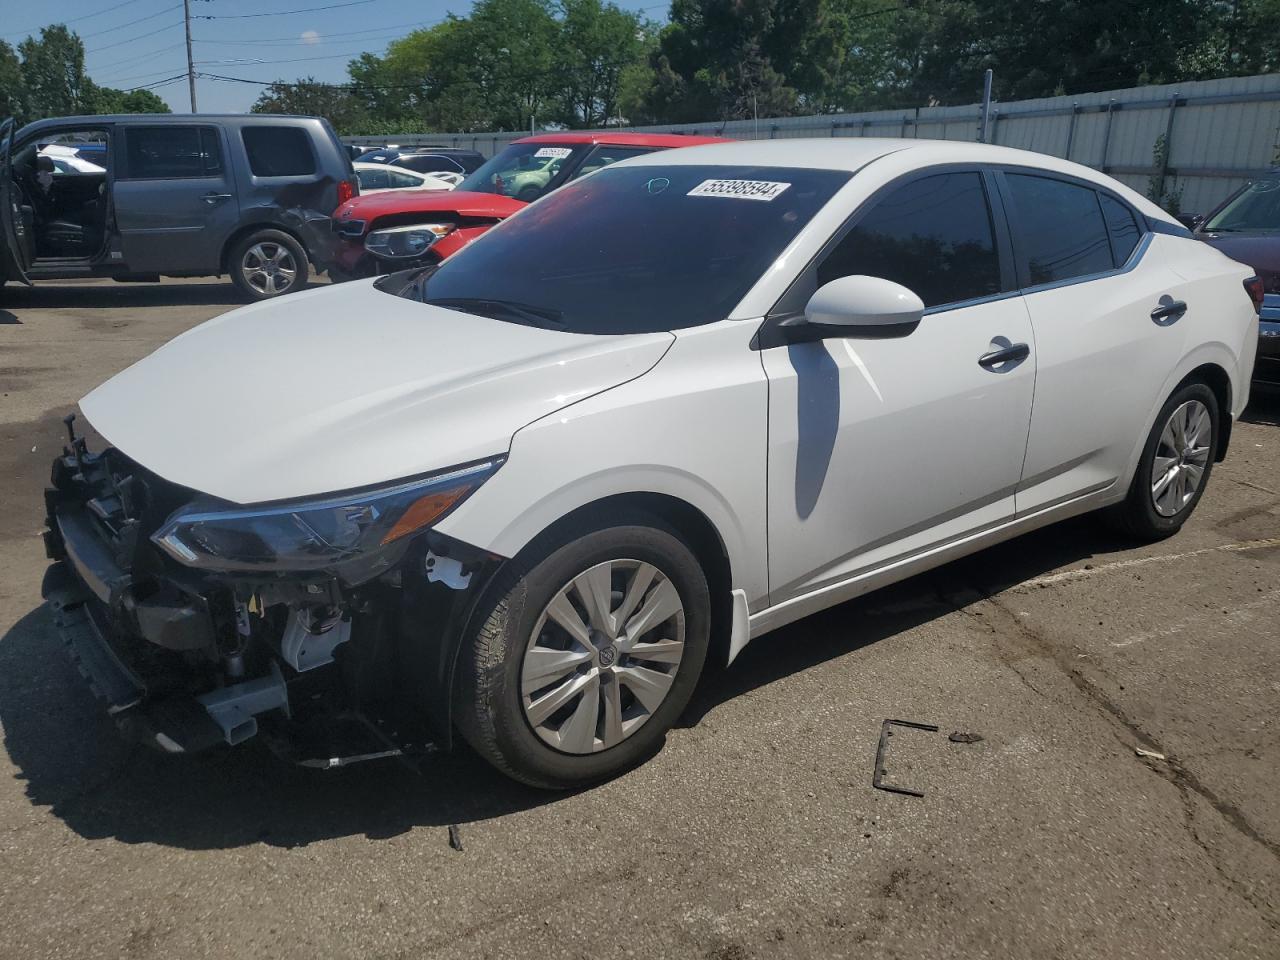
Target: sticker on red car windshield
x,y
740,189
558,152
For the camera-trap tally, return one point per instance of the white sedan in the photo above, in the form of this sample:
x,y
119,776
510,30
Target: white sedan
x,y
379,178
670,407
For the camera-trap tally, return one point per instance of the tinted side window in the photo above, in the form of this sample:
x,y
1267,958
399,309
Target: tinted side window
x,y
373,179
602,156
933,236
429,163
398,178
278,151
1062,228
1122,226
171,152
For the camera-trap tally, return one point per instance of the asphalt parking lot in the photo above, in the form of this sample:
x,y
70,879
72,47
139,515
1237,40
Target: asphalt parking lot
x,y
756,831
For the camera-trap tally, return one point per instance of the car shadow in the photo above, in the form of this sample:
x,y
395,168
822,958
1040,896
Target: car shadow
x,y
114,295
72,761
6,317
1264,406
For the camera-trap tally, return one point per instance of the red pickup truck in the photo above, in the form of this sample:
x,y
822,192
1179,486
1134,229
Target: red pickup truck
x,y
389,231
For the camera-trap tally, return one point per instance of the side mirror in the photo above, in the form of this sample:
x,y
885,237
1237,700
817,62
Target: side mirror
x,y
1191,221
857,306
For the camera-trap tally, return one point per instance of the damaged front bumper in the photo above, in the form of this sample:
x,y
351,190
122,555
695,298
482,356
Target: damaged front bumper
x,y
185,659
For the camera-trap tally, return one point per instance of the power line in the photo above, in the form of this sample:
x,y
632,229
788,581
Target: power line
x,y
141,36
251,62
282,13
150,16
87,16
128,61
391,30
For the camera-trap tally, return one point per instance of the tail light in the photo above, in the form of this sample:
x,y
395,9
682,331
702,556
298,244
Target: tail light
x,y
1253,286
346,190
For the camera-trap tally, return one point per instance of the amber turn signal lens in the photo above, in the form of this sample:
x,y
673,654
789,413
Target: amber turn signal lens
x,y
424,510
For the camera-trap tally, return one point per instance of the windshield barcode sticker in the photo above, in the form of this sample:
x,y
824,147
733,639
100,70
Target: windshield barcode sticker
x,y
739,189
558,152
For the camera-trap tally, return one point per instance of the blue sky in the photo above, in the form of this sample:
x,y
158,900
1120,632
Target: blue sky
x,y
136,42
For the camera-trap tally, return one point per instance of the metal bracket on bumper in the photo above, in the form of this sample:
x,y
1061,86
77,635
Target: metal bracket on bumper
x,y
183,725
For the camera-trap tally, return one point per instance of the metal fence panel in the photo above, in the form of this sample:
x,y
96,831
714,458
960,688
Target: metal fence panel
x,y
1222,132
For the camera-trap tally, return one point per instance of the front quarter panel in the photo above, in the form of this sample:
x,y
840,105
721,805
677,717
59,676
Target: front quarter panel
x,y
693,427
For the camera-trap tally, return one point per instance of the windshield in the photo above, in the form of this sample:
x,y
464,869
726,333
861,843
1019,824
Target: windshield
x,y
634,249
1256,207
523,170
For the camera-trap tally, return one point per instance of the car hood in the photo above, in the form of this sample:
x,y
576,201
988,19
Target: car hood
x,y
1261,251
463,203
334,389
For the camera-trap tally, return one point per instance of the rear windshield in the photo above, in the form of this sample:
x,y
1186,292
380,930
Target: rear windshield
x,y
634,249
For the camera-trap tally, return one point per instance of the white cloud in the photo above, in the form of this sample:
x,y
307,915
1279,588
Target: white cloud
x,y
310,37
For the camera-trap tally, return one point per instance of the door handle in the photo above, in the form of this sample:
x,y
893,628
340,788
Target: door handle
x,y
1169,311
212,198
1013,353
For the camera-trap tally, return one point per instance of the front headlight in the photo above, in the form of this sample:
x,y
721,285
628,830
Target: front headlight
x,y
356,536
411,241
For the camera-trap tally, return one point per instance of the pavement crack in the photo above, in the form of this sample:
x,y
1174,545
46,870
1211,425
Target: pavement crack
x,y
1172,769
1264,910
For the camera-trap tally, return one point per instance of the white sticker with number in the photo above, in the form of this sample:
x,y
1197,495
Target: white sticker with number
x,y
740,189
558,152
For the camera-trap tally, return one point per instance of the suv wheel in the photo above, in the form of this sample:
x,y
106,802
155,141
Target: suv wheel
x,y
584,653
268,264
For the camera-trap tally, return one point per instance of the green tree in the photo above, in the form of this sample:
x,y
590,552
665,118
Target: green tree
x,y
111,100
597,43
310,97
13,90
53,73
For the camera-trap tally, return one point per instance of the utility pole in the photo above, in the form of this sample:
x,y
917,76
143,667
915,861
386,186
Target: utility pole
x,y
986,107
191,70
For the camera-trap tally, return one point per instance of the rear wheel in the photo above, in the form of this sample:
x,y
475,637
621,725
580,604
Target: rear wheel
x,y
585,653
1175,465
268,263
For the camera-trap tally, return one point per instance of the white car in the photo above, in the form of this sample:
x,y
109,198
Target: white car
x,y
670,407
65,160
379,178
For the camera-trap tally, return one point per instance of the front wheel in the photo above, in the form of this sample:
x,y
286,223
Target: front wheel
x,y
1175,465
267,264
584,653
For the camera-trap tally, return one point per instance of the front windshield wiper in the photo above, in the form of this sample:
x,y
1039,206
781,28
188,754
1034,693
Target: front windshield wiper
x,y
503,310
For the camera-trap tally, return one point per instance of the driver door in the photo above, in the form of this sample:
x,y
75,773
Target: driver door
x,y
881,450
15,240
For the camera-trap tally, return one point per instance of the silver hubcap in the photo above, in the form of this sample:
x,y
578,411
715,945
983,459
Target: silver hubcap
x,y
269,268
1182,456
602,656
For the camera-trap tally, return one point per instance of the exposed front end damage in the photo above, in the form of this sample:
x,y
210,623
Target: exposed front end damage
x,y
326,664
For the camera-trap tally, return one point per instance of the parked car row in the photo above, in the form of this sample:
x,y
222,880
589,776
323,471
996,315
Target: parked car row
x,y
527,491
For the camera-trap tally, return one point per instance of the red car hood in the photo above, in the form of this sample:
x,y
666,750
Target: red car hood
x,y
466,204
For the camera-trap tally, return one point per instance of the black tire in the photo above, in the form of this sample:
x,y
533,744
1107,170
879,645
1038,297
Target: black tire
x,y
1137,515
247,281
490,710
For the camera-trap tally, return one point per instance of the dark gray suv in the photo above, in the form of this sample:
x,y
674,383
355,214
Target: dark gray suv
x,y
139,196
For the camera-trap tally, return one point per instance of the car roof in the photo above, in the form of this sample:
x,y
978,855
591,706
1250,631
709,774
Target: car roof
x,y
623,139
99,120
854,153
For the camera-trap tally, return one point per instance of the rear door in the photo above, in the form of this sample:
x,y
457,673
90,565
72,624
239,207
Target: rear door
x,y
1106,312
175,200
14,242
